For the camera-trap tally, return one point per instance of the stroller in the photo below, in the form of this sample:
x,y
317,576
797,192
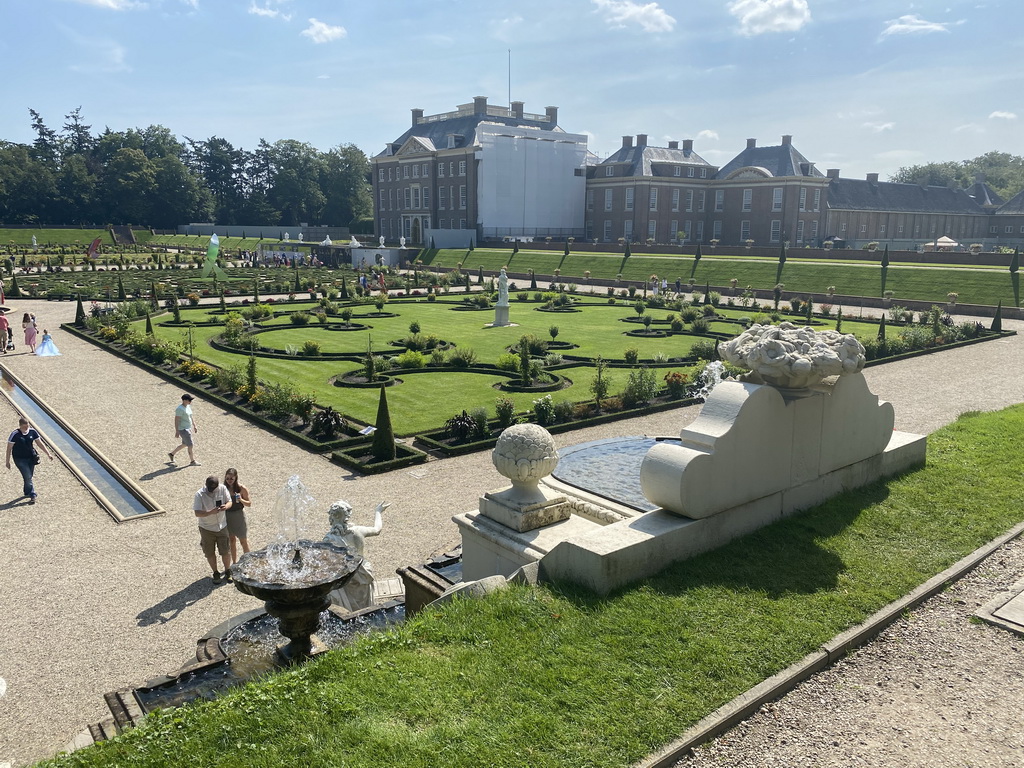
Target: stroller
x,y
10,340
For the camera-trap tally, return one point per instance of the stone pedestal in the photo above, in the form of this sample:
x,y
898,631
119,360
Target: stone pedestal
x,y
501,316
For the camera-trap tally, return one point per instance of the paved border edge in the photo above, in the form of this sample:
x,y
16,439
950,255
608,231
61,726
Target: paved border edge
x,y
748,702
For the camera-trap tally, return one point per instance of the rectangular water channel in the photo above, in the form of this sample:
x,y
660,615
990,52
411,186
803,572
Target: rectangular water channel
x,y
114,495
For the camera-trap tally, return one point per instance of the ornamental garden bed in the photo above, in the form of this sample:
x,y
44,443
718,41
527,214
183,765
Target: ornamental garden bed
x,y
359,456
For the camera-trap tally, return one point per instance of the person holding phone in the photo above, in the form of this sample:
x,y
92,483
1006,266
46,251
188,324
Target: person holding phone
x,y
238,527
210,505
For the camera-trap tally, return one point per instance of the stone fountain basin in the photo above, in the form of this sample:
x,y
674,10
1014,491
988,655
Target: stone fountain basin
x,y
325,567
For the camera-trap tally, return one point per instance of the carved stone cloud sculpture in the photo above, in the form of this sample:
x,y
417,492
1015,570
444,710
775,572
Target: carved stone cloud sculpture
x,y
754,441
788,356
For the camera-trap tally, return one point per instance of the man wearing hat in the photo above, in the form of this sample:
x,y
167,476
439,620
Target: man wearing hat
x,y
184,428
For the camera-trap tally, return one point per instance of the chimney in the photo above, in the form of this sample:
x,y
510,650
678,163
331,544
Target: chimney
x,y
479,105
552,113
687,145
832,173
417,115
627,142
751,143
786,139
517,110
873,177
641,139
673,145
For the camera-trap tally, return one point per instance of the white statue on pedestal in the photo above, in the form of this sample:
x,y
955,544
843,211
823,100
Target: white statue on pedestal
x,y
502,288
358,590
401,241
381,241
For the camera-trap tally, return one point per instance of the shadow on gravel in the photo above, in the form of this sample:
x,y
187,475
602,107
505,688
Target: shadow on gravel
x,y
164,471
21,501
169,608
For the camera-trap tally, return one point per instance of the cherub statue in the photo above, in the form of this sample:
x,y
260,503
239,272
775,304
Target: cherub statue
x,y
357,592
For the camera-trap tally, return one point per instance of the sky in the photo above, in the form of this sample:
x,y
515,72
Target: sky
x,y
861,85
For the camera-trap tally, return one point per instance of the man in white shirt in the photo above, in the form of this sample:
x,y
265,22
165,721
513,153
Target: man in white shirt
x,y
185,429
210,503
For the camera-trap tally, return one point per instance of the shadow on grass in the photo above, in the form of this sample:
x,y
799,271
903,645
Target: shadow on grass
x,y
885,277
1015,281
779,559
778,273
622,264
693,268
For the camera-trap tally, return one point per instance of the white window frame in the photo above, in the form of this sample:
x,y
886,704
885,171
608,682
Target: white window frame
x,y
653,205
689,200
425,193
628,204
627,230
380,174
702,204
407,196
817,200
442,199
416,171
675,199
748,201
716,229
608,199
609,170
652,229
719,200
703,173
462,197
440,172
800,230
777,199
677,171
590,199
776,231
803,198
744,230
405,171
607,231
689,172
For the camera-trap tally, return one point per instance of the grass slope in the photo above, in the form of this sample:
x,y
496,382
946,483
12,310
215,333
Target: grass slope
x,y
555,677
974,286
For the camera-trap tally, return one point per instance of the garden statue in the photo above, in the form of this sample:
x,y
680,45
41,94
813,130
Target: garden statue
x,y
401,241
300,237
381,241
502,288
358,591
286,236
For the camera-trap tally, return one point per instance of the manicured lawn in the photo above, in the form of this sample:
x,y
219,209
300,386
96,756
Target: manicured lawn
x,y
552,676
423,401
974,286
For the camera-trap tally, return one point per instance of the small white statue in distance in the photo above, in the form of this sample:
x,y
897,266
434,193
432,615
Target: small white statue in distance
x,y
381,241
358,590
502,288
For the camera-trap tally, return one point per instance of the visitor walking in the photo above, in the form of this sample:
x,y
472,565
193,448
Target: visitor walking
x,y
210,505
5,327
28,324
238,526
21,446
185,429
47,348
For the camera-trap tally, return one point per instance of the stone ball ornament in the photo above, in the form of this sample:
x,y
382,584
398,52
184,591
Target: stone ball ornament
x,y
525,454
791,357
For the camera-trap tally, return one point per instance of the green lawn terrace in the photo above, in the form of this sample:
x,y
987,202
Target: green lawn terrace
x,y
975,285
422,399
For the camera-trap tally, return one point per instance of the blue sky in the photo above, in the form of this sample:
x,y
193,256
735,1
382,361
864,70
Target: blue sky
x,y
862,85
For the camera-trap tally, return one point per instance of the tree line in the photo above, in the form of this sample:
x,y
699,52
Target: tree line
x,y
1003,172
150,177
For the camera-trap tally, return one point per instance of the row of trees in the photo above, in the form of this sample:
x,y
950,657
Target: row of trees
x,y
1003,172
148,176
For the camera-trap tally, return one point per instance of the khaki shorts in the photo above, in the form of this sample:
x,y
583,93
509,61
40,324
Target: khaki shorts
x,y
186,437
213,540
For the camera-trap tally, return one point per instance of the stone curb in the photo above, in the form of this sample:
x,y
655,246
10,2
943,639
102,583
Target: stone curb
x,y
748,702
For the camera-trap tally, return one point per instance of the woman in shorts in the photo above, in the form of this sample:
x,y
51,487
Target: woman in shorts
x,y
238,529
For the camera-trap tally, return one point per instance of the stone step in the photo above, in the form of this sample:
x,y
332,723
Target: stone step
x,y
386,590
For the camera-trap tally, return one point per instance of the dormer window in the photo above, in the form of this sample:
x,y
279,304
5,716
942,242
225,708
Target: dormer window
x,y
677,171
609,171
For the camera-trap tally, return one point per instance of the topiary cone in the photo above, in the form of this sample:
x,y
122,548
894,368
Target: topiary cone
x,y
997,321
383,446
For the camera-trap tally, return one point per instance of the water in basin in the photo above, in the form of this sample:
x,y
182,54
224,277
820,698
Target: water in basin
x,y
609,468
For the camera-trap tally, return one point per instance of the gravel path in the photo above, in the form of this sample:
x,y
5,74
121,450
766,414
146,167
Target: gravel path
x,y
89,606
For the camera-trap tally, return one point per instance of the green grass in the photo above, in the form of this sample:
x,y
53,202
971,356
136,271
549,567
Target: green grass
x,y
414,409
924,283
83,237
553,676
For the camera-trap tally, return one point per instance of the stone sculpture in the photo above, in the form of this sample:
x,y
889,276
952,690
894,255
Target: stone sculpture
x,y
787,356
502,288
381,239
358,591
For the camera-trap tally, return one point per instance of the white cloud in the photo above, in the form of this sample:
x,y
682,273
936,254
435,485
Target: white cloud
x,y
972,127
1000,114
319,32
112,5
270,10
708,134
101,57
912,25
757,17
651,17
323,77
879,127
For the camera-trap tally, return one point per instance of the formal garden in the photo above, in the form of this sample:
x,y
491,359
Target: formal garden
x,y
326,362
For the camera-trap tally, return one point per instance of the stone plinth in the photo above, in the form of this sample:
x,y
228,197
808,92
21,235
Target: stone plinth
x,y
501,316
506,507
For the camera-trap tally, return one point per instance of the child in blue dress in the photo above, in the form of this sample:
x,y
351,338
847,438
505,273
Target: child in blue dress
x,y
47,348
